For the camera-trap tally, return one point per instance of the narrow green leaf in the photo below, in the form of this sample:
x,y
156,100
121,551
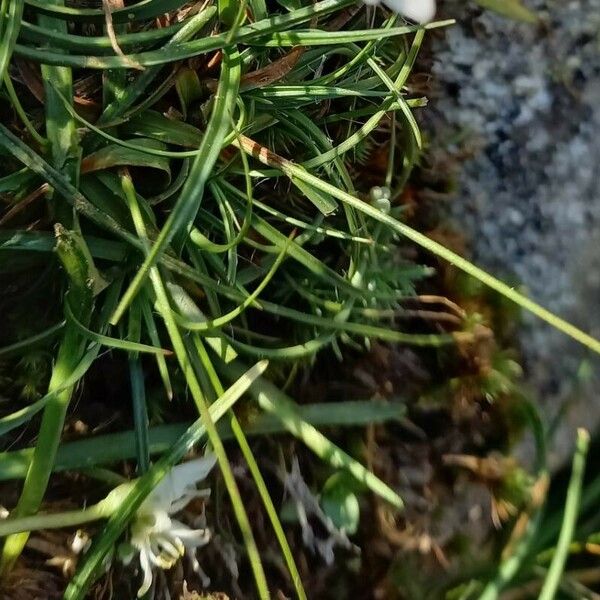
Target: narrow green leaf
x,y
513,9
181,51
315,37
114,156
110,342
555,571
140,86
152,124
324,202
27,344
90,44
9,28
191,313
140,414
439,250
143,9
114,447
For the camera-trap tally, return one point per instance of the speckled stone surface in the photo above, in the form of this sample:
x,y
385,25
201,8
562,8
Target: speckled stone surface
x,y
530,199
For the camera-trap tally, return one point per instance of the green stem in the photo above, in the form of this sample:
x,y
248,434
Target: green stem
x,y
261,485
18,107
10,23
559,560
52,521
268,504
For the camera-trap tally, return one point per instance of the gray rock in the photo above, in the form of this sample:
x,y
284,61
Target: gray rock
x,y
530,200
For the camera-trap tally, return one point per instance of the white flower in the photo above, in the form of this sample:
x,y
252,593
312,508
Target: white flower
x,y
160,539
421,11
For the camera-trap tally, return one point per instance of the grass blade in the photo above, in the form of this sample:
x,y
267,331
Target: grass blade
x,y
9,31
559,559
104,450
513,9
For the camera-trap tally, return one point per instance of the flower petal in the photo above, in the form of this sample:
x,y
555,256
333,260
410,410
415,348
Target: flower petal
x,y
190,537
195,538
421,11
177,482
189,495
147,570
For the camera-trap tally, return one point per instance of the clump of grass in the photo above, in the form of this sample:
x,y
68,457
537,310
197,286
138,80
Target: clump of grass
x,y
198,189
